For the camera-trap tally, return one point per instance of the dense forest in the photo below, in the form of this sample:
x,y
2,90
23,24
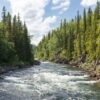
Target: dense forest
x,y
15,47
75,40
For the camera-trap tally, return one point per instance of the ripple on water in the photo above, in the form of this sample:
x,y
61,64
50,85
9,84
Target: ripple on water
x,y
47,82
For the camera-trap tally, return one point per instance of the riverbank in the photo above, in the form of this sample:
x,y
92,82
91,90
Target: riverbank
x,y
91,68
7,68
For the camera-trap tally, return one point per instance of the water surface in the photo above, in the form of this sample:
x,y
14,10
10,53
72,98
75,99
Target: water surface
x,y
48,81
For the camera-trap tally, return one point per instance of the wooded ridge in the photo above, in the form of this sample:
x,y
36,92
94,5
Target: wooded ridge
x,y
76,41
15,47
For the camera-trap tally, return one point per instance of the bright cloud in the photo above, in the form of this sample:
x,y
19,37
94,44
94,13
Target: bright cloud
x,y
87,3
33,12
41,28
61,5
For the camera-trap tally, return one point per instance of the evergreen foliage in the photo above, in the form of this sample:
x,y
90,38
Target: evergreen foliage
x,y
15,44
73,39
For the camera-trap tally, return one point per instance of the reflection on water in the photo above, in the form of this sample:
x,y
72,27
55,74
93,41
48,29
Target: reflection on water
x,y
48,82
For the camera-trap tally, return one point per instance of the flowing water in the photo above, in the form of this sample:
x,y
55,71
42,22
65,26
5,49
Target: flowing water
x,y
48,81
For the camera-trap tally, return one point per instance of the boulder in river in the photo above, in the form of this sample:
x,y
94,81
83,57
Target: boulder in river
x,y
36,62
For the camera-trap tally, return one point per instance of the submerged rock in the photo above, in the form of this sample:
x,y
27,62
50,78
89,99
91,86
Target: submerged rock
x,y
36,62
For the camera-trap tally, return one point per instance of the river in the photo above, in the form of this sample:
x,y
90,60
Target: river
x,y
48,81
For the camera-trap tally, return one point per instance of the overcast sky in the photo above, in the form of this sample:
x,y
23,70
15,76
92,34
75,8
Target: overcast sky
x,y
43,15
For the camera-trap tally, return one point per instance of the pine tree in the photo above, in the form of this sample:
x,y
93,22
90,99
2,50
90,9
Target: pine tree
x,y
27,47
4,21
84,21
4,15
89,17
9,27
84,31
79,51
15,47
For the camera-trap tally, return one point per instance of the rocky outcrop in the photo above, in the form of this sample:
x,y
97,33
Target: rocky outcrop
x,y
92,69
61,61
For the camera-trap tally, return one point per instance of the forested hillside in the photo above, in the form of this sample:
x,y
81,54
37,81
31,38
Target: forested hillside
x,y
15,47
77,39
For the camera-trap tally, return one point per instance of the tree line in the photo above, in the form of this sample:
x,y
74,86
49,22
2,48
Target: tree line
x,y
73,39
15,47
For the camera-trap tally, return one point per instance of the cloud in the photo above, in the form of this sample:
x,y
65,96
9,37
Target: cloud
x,y
33,12
61,5
41,28
55,2
87,3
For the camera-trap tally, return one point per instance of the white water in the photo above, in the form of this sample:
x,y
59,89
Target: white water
x,y
47,82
